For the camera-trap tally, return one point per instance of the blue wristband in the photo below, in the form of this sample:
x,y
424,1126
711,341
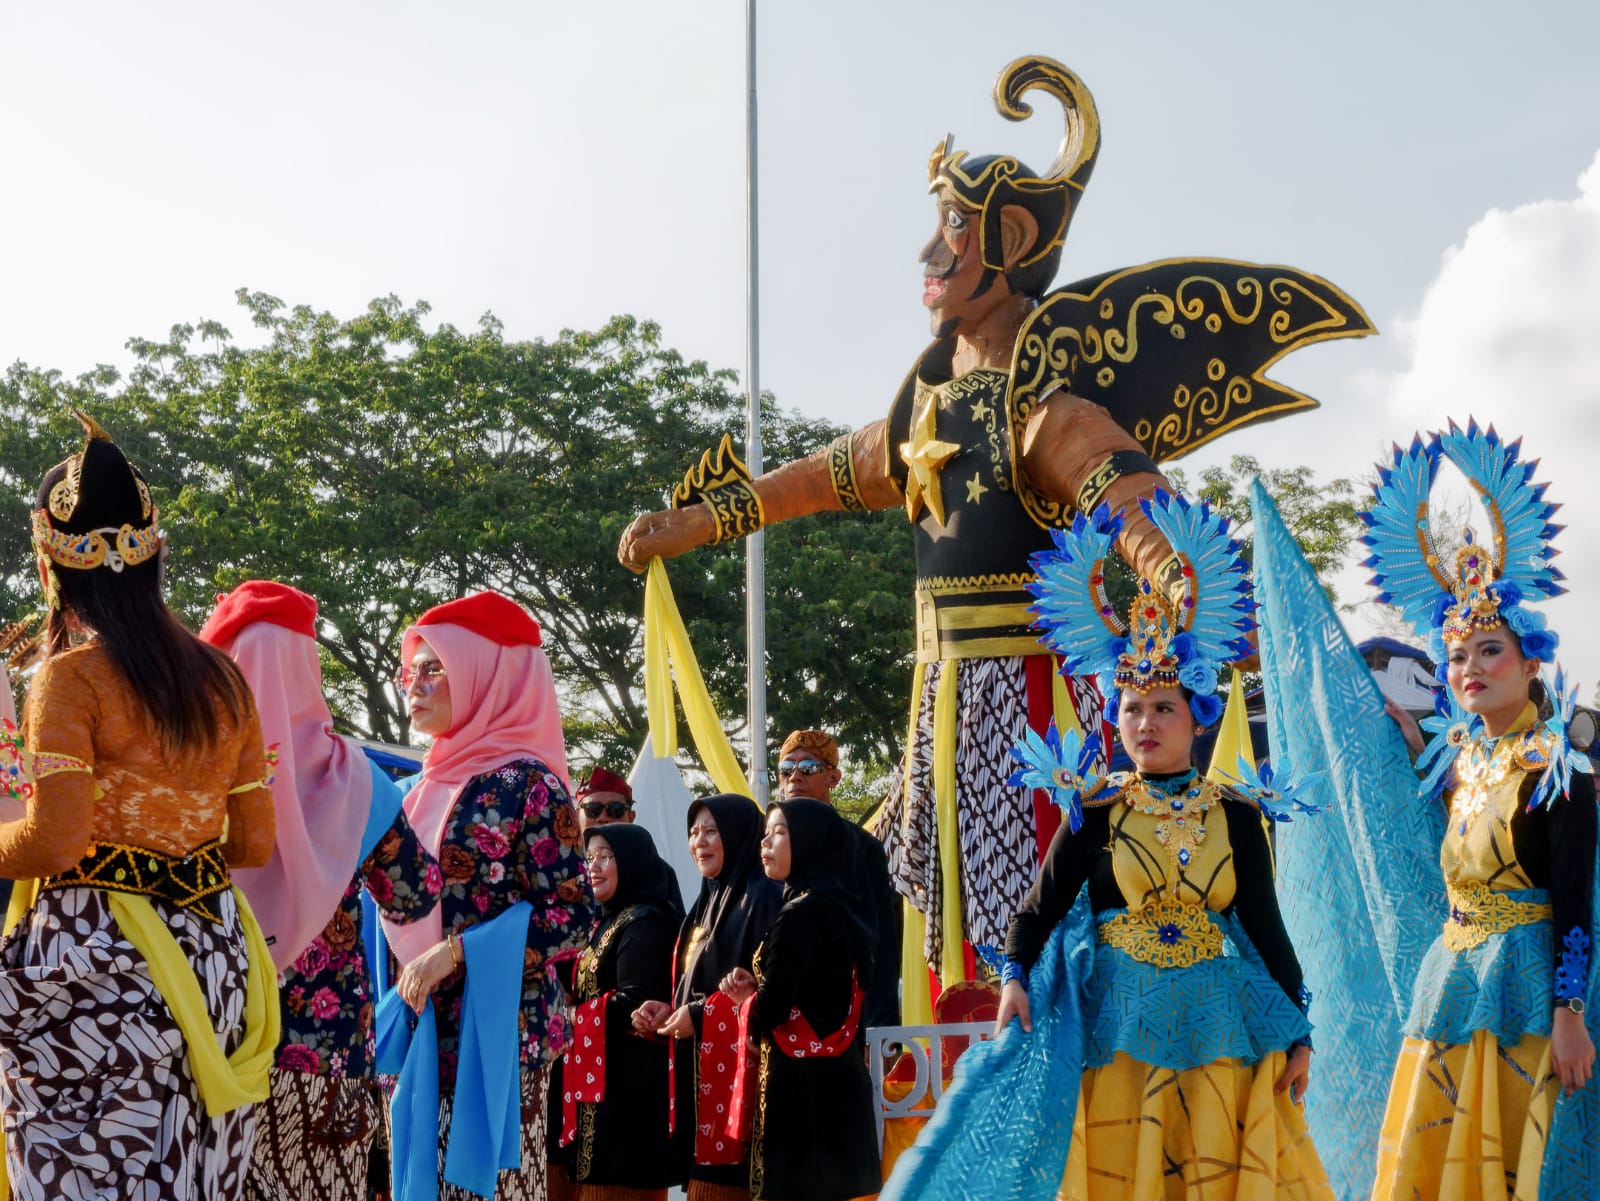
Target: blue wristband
x,y
1012,970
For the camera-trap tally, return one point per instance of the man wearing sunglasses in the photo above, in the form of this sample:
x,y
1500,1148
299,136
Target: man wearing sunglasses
x,y
808,768
604,798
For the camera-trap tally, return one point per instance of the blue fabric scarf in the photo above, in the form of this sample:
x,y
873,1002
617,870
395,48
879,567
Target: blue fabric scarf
x,y
486,1115
1359,886
1002,1131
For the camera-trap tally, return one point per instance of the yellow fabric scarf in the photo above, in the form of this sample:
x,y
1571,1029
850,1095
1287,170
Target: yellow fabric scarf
x,y
668,657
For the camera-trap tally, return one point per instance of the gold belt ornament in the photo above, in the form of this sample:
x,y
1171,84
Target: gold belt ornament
x,y
189,883
1477,911
1165,934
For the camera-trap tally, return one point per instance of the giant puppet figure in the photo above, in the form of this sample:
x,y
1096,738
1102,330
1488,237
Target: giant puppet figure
x,y
1029,406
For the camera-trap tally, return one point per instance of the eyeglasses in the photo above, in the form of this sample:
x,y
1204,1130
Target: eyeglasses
x,y
612,809
426,676
806,767
601,858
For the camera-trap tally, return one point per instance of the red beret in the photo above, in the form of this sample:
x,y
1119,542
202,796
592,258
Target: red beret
x,y
260,601
489,615
604,780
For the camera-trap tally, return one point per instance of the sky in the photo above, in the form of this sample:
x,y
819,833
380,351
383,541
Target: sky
x,y
559,163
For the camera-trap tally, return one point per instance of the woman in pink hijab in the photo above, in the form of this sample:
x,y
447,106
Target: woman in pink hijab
x,y
339,828
492,803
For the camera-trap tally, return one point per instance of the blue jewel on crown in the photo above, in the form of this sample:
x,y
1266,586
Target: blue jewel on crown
x,y
1183,856
1169,934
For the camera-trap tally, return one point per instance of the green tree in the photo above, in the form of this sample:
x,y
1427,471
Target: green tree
x,y
384,466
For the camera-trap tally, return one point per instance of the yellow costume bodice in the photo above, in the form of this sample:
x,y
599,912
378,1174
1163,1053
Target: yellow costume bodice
x,y
1477,847
1171,848
1478,855
1172,861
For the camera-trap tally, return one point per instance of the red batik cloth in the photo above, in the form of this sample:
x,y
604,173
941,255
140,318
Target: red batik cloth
x,y
584,1076
722,1052
795,1037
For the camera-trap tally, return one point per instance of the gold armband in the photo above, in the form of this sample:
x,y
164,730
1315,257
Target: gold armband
x,y
842,474
723,483
1116,465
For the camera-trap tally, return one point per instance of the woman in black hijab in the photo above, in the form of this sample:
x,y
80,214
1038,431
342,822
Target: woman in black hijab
x,y
737,904
812,1135
622,1150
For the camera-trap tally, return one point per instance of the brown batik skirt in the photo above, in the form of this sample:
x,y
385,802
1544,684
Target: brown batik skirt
x,y
95,1083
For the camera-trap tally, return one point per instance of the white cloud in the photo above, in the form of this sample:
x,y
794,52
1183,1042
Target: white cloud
x,y
1509,333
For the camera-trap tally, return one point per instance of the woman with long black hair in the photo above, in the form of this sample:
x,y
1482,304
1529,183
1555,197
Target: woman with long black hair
x,y
137,1019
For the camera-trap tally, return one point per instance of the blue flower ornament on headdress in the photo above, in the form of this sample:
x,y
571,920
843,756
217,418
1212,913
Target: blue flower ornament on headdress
x,y
1181,637
1449,596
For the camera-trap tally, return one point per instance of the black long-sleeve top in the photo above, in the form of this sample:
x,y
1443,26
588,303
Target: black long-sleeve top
x,y
1555,846
1074,859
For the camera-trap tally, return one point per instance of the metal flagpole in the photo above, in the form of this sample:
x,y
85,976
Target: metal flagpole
x,y
755,572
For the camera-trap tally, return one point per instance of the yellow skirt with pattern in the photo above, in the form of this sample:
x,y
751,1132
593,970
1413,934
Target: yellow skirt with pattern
x,y
1212,1133
1466,1122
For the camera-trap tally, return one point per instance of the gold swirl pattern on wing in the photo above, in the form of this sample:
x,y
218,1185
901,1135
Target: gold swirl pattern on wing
x,y
1234,319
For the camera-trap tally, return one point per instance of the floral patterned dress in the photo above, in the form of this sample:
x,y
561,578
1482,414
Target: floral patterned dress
x,y
512,836
318,1129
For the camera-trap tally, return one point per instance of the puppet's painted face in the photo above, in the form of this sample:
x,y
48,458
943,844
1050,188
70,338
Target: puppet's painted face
x,y
953,276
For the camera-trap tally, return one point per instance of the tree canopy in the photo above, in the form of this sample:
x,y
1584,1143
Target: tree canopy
x,y
384,467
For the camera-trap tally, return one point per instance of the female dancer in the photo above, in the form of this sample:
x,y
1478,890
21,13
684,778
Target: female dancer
x,y
339,829
1162,1034
812,1135
137,1021
491,805
1496,1032
617,1078
735,908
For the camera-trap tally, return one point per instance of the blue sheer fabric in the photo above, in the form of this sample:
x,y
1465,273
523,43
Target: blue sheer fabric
x,y
1572,1156
486,1115
1359,886
1229,1007
1002,1131
1502,986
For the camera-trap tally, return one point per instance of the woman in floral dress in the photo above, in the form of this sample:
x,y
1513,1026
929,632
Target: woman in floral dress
x,y
492,804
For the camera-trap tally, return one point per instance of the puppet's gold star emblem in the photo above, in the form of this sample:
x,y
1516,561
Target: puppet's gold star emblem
x,y
924,455
975,490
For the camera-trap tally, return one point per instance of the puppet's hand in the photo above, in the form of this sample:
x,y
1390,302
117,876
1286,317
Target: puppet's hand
x,y
666,534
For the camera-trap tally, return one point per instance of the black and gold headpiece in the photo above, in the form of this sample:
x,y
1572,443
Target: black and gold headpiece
x,y
94,510
990,182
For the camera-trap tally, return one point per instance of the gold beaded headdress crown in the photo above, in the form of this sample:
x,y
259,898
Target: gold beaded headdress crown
x,y
95,511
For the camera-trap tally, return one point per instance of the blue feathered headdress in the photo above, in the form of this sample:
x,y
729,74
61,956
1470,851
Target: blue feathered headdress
x,y
1482,585
1179,636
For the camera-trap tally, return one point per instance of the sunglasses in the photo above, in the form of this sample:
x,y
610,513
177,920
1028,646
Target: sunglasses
x,y
804,767
425,676
611,809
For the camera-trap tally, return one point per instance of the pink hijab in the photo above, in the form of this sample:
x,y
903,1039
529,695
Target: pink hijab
x,y
503,697
322,791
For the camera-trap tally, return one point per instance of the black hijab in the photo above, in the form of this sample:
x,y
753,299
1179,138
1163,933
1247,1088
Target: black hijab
x,y
643,876
825,866
735,907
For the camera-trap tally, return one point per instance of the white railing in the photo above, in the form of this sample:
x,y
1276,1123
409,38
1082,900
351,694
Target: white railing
x,y
924,1044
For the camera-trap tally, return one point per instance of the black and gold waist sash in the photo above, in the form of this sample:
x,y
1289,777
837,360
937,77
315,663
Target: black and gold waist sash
x,y
189,883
